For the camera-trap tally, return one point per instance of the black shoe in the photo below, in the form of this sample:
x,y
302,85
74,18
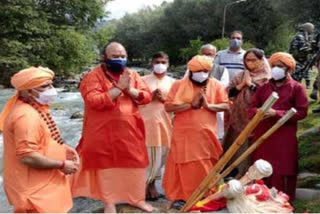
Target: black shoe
x,y
177,205
316,111
314,95
308,84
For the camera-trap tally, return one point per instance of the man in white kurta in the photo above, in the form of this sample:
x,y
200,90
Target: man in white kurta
x,y
157,121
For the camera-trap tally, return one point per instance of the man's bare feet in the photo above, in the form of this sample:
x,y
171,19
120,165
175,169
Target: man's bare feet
x,y
145,206
169,205
110,208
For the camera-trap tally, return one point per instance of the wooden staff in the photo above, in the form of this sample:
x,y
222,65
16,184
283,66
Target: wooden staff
x,y
255,145
205,184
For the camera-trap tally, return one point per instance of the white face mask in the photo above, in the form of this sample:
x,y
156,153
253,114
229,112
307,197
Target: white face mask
x,y
278,73
200,77
47,96
160,68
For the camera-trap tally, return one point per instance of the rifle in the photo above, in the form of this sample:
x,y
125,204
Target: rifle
x,y
311,61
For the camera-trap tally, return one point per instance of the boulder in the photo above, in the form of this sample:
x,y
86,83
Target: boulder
x,y
307,194
77,115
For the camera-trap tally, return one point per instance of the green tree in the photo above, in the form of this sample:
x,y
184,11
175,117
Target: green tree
x,y
67,52
22,35
48,33
172,26
284,34
104,35
192,50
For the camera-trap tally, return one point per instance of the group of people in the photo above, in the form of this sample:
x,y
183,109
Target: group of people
x,y
134,127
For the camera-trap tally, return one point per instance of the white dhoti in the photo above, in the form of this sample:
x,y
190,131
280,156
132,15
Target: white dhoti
x,y
157,159
220,125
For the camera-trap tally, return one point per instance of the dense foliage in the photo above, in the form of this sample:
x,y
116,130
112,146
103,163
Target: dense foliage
x,y
50,33
182,26
68,35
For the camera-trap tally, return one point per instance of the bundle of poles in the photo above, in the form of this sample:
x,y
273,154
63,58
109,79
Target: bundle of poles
x,y
215,174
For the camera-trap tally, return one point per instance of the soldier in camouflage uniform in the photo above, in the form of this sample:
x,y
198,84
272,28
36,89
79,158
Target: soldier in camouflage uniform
x,y
316,84
300,48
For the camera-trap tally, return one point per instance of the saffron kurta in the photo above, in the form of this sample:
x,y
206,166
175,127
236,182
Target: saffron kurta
x,y
281,149
27,188
112,148
156,120
113,131
195,147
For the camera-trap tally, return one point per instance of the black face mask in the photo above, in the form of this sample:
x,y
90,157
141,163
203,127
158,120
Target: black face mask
x,y
204,83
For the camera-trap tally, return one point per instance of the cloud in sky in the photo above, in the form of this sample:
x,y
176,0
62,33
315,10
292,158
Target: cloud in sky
x,y
119,8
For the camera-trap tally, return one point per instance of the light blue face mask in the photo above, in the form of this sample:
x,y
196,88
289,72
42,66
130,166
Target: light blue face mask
x,y
235,43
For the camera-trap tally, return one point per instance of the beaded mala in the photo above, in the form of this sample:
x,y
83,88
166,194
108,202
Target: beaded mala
x,y
46,117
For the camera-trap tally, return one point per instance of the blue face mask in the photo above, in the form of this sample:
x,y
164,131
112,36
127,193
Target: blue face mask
x,y
116,65
235,43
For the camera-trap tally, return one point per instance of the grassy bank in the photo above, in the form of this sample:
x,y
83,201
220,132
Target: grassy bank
x,y
309,154
302,206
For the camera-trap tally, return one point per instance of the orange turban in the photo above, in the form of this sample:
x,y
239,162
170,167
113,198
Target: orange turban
x,y
285,58
200,63
23,80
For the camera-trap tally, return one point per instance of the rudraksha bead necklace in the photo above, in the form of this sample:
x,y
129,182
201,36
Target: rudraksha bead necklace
x,y
46,117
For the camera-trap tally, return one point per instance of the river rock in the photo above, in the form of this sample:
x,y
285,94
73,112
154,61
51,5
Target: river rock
x,y
86,205
177,71
303,175
77,115
307,194
310,132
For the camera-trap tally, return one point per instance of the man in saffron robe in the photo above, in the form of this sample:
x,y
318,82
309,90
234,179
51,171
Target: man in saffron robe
x,y
281,149
112,148
195,147
157,121
35,158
